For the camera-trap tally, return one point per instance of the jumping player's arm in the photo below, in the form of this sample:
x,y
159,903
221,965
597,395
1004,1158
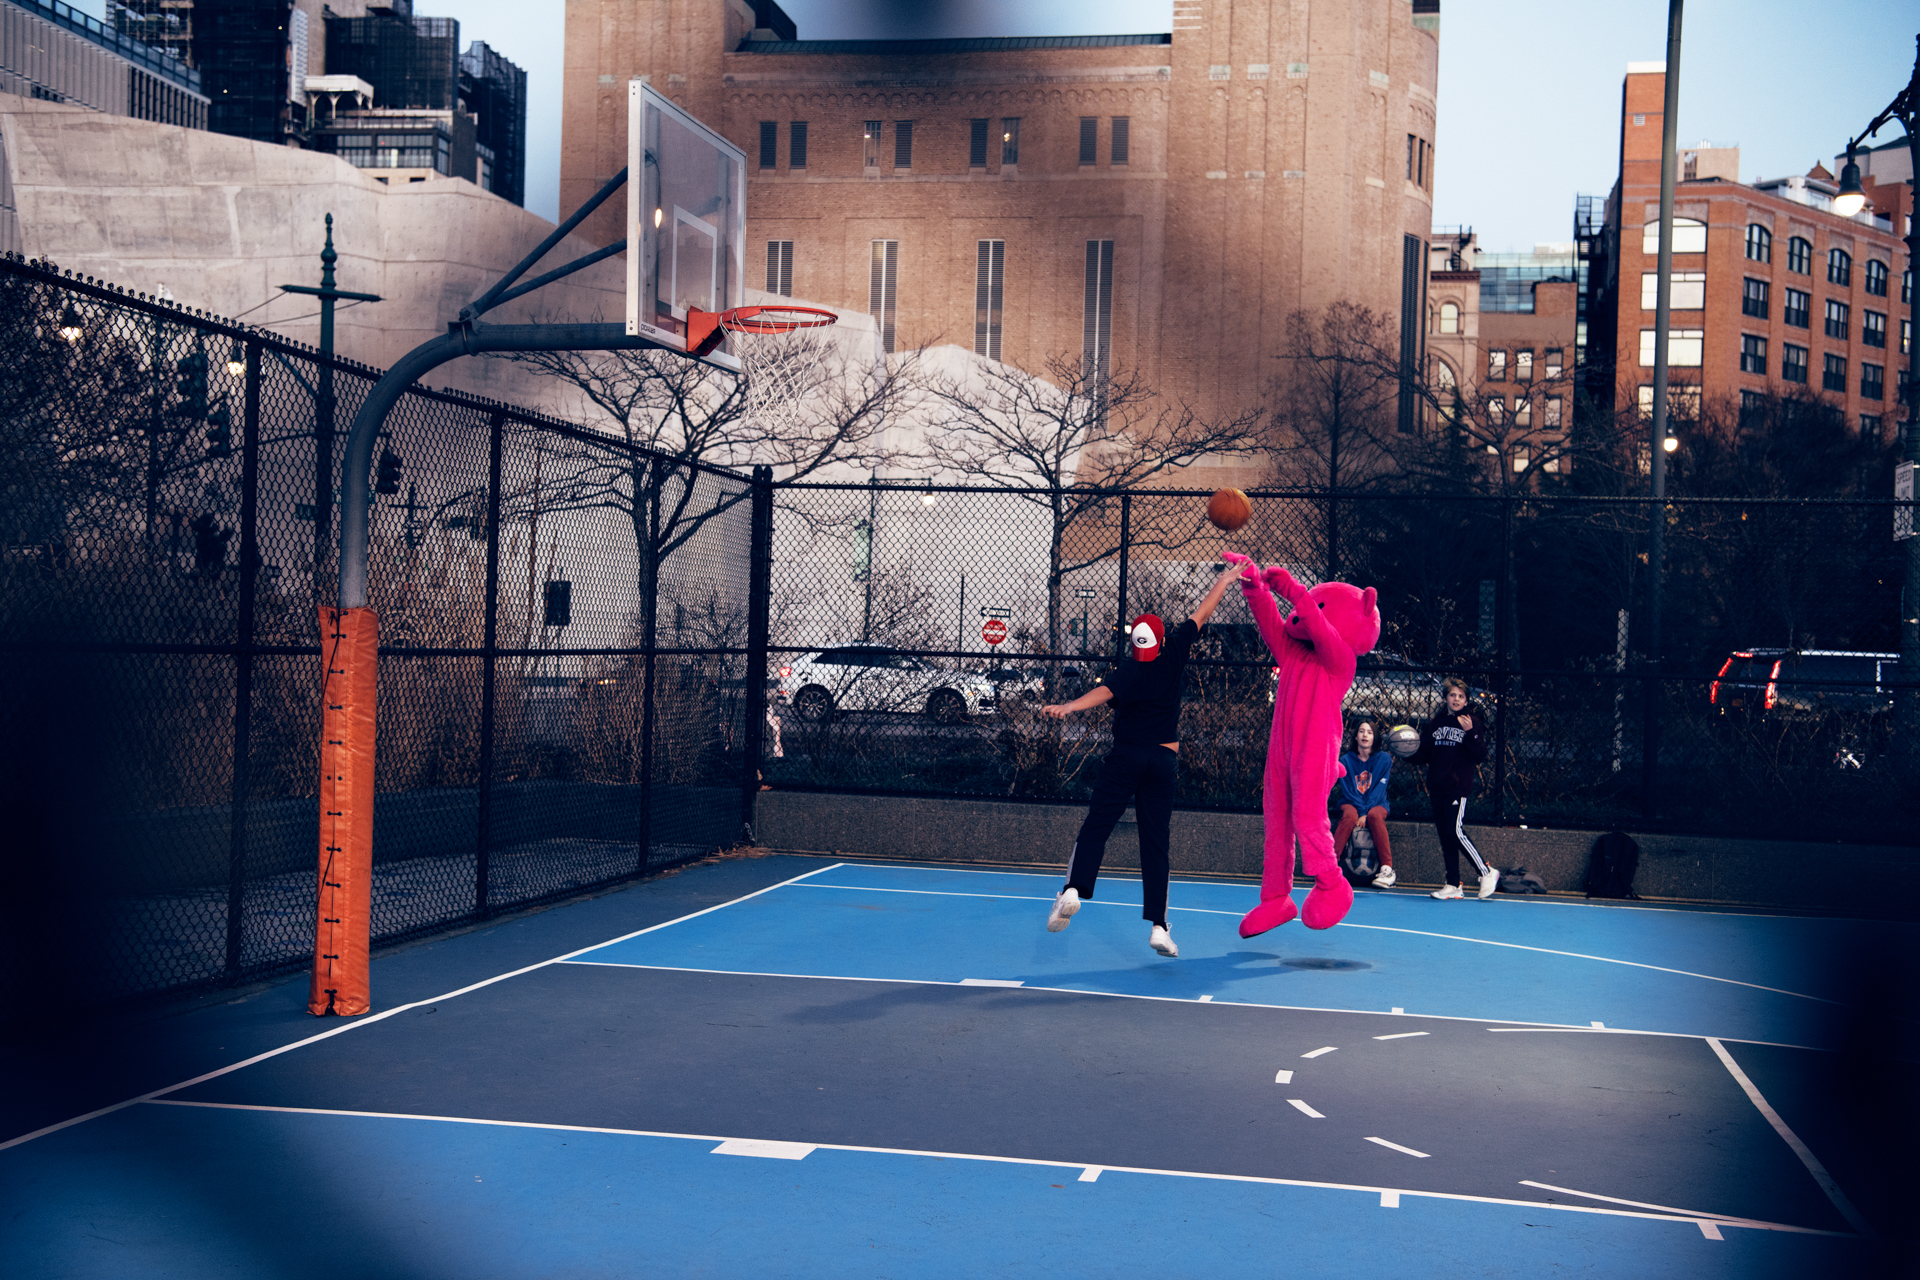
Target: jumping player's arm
x,y
1091,698
1266,614
1204,610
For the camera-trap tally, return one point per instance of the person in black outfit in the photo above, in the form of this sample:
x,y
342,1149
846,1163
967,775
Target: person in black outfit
x,y
1452,745
1143,765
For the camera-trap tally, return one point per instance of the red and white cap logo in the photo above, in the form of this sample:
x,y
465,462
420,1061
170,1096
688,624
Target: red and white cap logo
x,y
1148,635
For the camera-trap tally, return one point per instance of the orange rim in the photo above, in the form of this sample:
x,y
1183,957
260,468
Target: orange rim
x,y
779,319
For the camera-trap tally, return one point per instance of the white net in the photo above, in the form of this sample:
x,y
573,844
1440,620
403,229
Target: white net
x,y
784,370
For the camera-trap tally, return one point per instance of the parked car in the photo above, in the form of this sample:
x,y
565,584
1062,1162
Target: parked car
x,y
1388,687
864,677
1804,682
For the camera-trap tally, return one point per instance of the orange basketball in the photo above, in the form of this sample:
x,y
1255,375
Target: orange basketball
x,y
1228,509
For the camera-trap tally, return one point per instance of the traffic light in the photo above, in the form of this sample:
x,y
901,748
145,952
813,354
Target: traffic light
x,y
220,431
559,603
190,380
387,478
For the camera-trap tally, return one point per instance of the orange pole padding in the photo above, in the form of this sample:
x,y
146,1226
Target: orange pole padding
x,y
350,649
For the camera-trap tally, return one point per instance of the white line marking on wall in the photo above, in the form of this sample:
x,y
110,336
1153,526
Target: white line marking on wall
x,y
1404,1035
371,1018
1461,1197
1389,1199
1090,1174
1283,1077
764,1148
1814,1167
1300,1105
1397,1147
990,982
1317,1052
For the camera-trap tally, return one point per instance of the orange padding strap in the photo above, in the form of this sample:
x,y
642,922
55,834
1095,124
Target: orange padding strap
x,y
350,651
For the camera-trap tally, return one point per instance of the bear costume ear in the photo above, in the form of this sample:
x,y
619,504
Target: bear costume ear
x,y
1368,601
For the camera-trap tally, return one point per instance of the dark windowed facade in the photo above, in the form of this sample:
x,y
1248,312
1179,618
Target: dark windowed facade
x,y
1089,139
1876,277
977,144
1873,329
769,143
1833,373
1800,256
1796,307
1122,127
797,145
1839,267
1010,140
1873,381
1753,354
1759,243
1754,297
903,144
1839,320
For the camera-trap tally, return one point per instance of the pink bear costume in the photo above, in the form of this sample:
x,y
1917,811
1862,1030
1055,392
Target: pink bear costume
x,y
1316,647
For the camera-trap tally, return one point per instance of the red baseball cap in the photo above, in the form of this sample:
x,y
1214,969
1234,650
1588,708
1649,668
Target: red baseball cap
x,y
1148,634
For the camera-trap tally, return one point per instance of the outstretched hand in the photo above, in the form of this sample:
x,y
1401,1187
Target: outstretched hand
x,y
1284,584
1248,571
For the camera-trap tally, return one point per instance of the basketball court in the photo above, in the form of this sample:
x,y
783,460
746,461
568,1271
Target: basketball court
x,y
798,1066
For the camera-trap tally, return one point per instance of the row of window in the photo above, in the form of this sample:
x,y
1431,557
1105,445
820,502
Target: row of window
x,y
1839,262
989,291
1119,133
1756,300
1554,362
1687,347
1419,161
1520,413
1793,367
1755,404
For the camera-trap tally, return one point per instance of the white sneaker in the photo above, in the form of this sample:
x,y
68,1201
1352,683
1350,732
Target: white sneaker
x,y
1489,882
1386,879
1065,903
1162,941
1447,891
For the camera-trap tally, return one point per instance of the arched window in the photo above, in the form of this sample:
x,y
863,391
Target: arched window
x,y
1449,318
1800,256
1446,390
1876,277
1759,243
1839,267
1689,236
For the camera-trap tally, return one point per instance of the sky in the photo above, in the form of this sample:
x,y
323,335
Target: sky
x,y
1529,90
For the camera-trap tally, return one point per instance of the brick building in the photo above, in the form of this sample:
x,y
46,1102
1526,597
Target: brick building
x,y
1161,201
1773,293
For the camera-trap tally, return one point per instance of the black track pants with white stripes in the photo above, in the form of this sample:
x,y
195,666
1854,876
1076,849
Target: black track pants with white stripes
x,y
1450,822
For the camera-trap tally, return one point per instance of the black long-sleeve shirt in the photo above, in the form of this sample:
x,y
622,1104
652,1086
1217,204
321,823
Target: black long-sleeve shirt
x,y
1452,754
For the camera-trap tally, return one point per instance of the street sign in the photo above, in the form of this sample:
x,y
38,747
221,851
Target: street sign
x,y
994,631
1086,593
1903,491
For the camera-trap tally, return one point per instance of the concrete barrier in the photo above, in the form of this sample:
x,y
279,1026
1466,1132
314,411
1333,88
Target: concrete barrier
x,y
1685,868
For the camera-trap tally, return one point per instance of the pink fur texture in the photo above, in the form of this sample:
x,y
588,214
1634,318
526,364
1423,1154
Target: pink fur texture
x,y
1316,647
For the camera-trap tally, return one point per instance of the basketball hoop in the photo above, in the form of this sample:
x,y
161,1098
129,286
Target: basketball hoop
x,y
781,362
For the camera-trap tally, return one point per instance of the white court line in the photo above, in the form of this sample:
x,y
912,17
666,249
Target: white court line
x,y
1349,924
371,1018
1332,1048
1814,1167
1300,1105
1283,1077
1404,1035
1514,1024
1637,1204
1397,1147
1689,1219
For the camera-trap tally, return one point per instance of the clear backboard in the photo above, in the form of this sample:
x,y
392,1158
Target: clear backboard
x,y
686,222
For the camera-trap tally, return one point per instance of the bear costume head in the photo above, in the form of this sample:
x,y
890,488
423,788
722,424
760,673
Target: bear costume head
x,y
1352,612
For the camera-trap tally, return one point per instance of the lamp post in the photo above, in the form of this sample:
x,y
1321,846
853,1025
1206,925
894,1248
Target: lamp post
x,y
1905,108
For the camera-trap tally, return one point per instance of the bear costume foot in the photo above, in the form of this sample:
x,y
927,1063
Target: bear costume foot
x,y
1327,902
1270,914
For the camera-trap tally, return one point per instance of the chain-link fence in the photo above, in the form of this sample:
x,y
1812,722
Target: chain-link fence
x,y
568,627
167,491
882,595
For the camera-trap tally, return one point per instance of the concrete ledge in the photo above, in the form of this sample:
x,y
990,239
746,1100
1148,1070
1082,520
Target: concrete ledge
x,y
1691,868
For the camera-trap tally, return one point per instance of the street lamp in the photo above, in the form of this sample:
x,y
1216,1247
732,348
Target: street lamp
x,y
70,327
1670,443
1905,108
237,360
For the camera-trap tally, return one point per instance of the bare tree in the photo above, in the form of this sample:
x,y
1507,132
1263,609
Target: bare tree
x,y
1065,437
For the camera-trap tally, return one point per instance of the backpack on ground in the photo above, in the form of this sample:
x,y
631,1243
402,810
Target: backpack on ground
x,y
1521,880
1360,861
1615,858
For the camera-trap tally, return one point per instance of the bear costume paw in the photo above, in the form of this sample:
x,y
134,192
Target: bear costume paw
x,y
1271,914
1327,902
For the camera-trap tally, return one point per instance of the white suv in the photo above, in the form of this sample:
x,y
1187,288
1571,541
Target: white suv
x,y
866,677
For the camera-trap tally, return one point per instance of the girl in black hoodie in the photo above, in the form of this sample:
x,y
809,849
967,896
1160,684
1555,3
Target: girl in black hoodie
x,y
1452,745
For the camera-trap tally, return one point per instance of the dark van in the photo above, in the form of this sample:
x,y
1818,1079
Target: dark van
x,y
1802,682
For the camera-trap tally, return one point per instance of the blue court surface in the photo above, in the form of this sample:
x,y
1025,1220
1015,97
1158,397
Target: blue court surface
x,y
794,1066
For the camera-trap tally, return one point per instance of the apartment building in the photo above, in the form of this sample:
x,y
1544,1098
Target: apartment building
x,y
1161,200
1772,291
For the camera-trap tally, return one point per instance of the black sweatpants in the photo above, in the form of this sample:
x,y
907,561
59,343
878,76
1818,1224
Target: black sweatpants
x,y
1146,776
1450,823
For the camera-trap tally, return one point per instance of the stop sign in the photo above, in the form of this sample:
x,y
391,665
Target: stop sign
x,y
994,631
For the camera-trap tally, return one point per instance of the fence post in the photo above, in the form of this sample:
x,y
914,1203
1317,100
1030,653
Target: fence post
x,y
483,827
1501,641
649,634
1126,536
243,665
754,680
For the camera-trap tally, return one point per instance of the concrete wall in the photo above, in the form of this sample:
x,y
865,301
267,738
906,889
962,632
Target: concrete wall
x,y
1683,867
222,221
